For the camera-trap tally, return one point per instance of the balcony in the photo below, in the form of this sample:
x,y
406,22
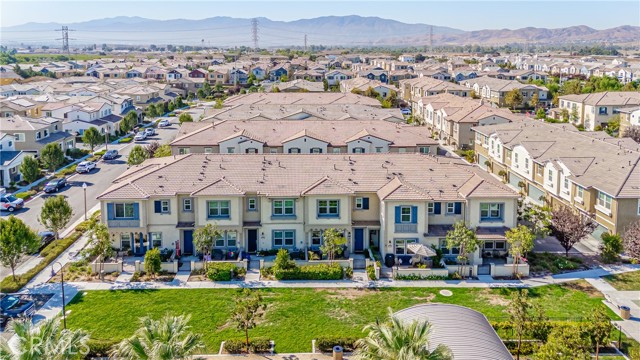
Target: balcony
x,y
123,223
406,228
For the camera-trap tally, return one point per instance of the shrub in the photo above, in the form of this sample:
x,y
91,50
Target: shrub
x,y
326,343
220,271
83,226
25,195
422,277
234,346
266,272
348,273
611,247
77,153
282,261
371,272
68,170
152,262
136,276
260,345
100,153
125,140
310,272
269,252
99,348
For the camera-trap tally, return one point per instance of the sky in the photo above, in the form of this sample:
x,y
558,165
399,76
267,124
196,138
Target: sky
x,y
465,15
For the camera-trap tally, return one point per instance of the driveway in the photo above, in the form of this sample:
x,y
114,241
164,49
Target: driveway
x,y
98,180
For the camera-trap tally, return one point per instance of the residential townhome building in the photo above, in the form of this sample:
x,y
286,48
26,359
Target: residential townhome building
x,y
8,76
324,98
495,90
556,164
32,134
298,85
451,118
263,202
375,73
94,114
14,105
218,75
10,160
361,85
296,137
336,77
592,110
629,117
413,90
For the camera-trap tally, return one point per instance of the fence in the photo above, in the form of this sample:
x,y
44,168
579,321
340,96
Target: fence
x,y
170,267
197,265
506,270
419,272
343,262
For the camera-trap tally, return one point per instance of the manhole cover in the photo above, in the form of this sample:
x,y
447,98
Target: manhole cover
x,y
446,293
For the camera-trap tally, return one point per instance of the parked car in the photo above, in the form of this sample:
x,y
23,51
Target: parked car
x,y
9,202
55,185
46,237
85,167
13,307
164,123
405,111
140,136
110,154
149,131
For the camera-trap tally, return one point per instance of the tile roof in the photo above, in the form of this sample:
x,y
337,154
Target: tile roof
x,y
302,99
393,176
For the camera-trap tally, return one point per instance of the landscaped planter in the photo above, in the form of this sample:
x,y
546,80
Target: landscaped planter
x,y
170,267
107,267
422,273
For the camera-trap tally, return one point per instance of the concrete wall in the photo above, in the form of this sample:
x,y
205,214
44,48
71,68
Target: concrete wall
x,y
106,267
197,265
419,272
170,267
506,270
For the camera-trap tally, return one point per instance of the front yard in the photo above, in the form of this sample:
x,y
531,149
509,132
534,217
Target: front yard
x,y
625,282
296,316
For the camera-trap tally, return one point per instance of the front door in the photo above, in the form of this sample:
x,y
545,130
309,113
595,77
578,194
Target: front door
x,y
138,243
358,243
252,240
188,242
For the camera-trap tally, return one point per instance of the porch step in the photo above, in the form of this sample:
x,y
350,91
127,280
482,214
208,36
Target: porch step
x,y
359,263
485,278
253,274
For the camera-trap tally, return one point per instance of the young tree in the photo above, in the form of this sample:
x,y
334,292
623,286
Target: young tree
x,y
185,117
610,248
203,239
150,111
524,316
537,217
30,169
465,240
565,343
564,114
631,240
100,243
151,149
248,310
520,241
16,240
55,214
92,137
574,115
535,99
540,114
167,338
152,262
137,155
201,94
332,242
52,156
179,102
395,339
569,227
325,84
599,328
163,150
513,98
129,122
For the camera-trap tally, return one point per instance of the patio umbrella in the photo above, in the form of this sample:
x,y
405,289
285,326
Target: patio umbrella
x,y
420,249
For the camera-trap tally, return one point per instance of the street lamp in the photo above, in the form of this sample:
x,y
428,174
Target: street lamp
x,y
84,188
53,273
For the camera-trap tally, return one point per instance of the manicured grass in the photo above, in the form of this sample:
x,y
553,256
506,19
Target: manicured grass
x,y
296,316
629,281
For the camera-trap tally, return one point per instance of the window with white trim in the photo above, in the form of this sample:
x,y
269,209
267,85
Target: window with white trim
x,y
328,208
156,239
218,209
604,200
490,211
123,210
430,208
187,205
125,241
445,250
284,207
208,150
579,192
284,238
405,214
401,245
451,208
316,238
164,206
252,204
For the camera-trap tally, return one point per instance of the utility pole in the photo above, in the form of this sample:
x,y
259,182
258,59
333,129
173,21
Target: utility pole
x,y
431,39
254,33
64,31
305,42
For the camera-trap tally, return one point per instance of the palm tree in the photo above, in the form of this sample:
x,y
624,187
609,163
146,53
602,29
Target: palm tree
x,y
45,341
164,339
396,340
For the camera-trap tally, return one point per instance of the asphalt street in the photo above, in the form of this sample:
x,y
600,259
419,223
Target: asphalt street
x,y
98,180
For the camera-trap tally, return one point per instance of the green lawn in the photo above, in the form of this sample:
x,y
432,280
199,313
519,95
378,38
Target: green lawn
x,y
629,281
296,316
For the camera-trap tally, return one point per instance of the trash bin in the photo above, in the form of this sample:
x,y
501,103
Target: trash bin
x,y
389,260
625,312
337,352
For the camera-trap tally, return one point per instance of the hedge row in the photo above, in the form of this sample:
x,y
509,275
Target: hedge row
x,y
310,272
326,343
220,271
256,345
99,348
49,253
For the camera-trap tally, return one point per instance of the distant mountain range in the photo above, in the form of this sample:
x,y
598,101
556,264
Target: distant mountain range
x,y
329,30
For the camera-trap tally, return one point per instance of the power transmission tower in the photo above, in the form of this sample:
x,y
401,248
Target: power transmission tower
x,y
65,38
254,33
431,39
305,42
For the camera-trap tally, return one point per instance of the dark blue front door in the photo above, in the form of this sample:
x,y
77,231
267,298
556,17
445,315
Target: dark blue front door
x,y
188,242
139,248
358,236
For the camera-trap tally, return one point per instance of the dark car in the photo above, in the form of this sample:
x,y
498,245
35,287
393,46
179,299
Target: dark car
x,y
110,155
55,185
46,237
13,307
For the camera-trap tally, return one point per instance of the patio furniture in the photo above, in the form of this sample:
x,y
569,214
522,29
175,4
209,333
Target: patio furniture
x,y
218,255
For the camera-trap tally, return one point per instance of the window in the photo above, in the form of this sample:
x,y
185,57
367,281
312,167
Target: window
x,y
218,209
219,241
579,192
273,151
123,211
316,151
208,150
550,176
565,184
424,149
515,159
445,250
328,208
46,132
184,151
156,239
402,150
451,208
539,170
38,135
526,163
316,238
336,150
490,211
284,238
231,150
378,149
401,245
284,207
294,151
430,207
251,151
358,150
187,205
405,214
232,238
125,241
602,110
164,206
252,204
604,200
362,203
638,206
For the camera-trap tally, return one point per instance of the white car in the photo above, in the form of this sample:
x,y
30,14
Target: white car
x,y
85,167
149,131
164,123
140,136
